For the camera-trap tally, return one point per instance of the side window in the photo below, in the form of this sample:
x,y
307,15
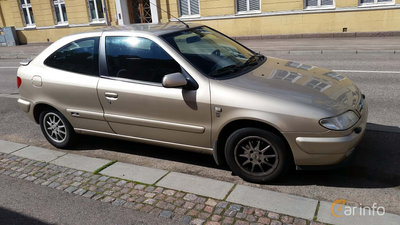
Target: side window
x,y
138,59
80,56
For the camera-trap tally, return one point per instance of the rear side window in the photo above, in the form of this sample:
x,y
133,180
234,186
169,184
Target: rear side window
x,y
138,59
80,56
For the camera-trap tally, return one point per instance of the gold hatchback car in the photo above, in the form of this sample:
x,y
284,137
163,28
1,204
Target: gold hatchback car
x,y
193,88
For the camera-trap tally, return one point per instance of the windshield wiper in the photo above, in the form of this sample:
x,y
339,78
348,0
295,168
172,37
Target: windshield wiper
x,y
223,70
253,60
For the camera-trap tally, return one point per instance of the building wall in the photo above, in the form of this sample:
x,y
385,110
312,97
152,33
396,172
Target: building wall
x,y
43,13
276,17
46,28
48,35
16,13
280,17
77,11
364,21
281,5
7,16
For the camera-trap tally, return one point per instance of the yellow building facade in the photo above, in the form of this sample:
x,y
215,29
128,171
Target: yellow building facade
x,y
49,20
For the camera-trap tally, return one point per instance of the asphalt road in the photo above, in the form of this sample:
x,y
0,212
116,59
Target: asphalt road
x,y
373,175
25,203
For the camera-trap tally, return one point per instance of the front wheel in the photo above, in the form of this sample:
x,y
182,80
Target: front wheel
x,y
257,155
56,129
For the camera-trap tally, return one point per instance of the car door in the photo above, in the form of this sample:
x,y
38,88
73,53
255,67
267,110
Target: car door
x,y
135,102
68,81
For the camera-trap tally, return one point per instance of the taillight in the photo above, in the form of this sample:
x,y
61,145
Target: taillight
x,y
19,81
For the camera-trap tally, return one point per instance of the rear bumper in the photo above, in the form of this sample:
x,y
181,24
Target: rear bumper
x,y
24,105
27,106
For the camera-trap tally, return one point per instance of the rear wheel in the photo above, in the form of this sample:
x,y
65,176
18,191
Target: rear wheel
x,y
56,129
257,155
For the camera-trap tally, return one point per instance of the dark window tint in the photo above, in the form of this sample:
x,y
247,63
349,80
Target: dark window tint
x,y
138,59
79,56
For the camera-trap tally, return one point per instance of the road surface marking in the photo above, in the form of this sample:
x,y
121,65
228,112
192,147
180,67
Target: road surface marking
x,y
364,71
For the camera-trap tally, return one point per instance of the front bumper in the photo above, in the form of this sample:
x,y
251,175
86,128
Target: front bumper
x,y
329,148
331,145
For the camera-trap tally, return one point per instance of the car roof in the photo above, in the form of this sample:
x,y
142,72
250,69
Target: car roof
x,y
156,29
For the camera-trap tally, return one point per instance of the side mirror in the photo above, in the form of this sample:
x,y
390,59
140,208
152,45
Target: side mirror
x,y
174,80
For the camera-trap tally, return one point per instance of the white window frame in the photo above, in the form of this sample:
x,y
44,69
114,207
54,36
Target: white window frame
x,y
376,3
97,19
26,7
248,11
320,82
299,66
59,3
274,73
189,10
319,6
335,76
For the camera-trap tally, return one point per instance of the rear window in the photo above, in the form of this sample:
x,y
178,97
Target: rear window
x,y
80,56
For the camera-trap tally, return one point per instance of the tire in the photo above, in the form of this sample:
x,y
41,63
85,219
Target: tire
x,y
257,163
63,132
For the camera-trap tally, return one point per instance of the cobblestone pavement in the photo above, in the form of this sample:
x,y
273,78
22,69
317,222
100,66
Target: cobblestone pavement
x,y
167,203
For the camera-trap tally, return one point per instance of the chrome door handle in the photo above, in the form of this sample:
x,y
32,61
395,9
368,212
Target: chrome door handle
x,y
111,95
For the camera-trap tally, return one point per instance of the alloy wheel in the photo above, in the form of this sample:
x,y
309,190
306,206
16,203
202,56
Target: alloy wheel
x,y
55,127
256,156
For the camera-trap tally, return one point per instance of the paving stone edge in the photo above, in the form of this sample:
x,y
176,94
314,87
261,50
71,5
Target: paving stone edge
x,y
168,203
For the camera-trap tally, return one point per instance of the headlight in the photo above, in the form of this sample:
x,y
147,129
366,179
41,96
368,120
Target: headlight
x,y
341,122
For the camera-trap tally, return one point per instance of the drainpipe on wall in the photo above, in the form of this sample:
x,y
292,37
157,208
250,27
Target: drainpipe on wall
x,y
105,12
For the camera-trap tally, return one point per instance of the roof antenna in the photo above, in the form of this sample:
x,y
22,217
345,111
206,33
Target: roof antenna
x,y
169,14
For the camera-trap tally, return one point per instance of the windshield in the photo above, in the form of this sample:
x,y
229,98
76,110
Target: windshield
x,y
211,52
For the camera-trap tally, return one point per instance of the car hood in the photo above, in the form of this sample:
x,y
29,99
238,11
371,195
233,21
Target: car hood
x,y
298,82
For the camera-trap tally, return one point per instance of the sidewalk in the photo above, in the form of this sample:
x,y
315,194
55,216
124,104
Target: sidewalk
x,y
180,197
22,51
359,45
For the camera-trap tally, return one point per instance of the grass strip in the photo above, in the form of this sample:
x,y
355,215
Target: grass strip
x,y
316,212
103,167
229,192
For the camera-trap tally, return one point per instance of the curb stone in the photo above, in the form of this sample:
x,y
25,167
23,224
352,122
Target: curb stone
x,y
175,204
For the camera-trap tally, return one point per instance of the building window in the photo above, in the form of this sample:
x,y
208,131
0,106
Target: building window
x,y
189,8
27,13
285,75
59,10
309,4
96,10
317,84
375,2
343,98
299,66
335,76
248,6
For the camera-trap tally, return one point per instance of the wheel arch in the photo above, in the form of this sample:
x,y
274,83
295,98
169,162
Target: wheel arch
x,y
232,126
39,108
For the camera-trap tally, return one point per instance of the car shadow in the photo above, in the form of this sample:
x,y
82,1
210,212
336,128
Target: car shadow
x,y
11,217
374,164
170,154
